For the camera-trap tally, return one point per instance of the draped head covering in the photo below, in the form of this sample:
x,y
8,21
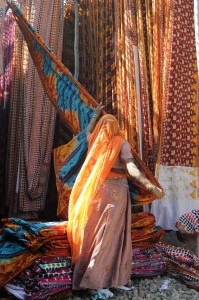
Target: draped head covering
x,y
104,146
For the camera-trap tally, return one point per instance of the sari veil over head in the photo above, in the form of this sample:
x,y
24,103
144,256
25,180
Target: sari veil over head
x,y
104,146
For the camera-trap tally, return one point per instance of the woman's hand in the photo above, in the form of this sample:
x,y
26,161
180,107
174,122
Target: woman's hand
x,y
158,193
98,110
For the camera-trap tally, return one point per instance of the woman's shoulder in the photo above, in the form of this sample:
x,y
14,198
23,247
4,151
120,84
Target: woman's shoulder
x,y
125,143
126,149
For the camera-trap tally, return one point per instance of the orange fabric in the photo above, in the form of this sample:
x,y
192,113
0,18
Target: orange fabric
x,y
104,146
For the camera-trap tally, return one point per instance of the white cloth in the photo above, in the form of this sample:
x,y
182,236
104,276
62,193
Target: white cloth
x,y
15,290
181,188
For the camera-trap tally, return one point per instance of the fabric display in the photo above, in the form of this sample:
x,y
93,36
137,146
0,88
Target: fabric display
x,y
22,242
144,233
177,159
141,60
47,276
189,222
7,33
29,151
147,262
181,264
74,104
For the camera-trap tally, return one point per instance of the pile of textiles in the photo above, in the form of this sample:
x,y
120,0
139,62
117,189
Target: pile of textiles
x,y
181,264
144,232
147,260
189,222
47,276
40,248
35,256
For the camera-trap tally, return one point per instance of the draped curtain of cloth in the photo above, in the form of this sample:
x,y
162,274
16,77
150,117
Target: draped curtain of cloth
x,y
125,48
32,117
97,59
139,58
178,156
149,33
107,59
7,31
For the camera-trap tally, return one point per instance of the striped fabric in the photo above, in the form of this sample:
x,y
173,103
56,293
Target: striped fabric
x,y
32,118
2,16
7,27
189,222
47,276
147,262
181,264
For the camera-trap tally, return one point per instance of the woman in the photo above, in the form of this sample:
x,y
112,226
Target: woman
x,y
99,228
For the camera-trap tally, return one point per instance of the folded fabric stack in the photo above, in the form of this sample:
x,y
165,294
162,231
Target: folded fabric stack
x,y
33,255
147,260
144,233
181,264
47,276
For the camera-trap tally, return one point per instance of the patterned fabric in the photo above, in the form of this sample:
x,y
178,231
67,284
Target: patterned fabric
x,y
144,233
25,232
189,222
11,267
97,61
73,103
177,165
45,277
7,27
35,157
147,262
144,40
196,19
126,104
31,135
2,15
181,264
22,242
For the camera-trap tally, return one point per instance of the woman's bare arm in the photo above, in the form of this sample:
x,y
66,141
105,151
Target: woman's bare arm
x,y
97,113
135,173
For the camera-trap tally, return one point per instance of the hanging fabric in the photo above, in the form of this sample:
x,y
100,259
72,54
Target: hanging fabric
x,y
75,104
126,97
7,43
32,118
178,156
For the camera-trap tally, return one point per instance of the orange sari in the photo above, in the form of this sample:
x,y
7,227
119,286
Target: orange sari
x,y
104,146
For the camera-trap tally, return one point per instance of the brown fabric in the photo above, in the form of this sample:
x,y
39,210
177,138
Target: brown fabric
x,y
105,259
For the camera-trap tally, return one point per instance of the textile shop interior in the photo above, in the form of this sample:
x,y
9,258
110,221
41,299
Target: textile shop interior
x,y
141,60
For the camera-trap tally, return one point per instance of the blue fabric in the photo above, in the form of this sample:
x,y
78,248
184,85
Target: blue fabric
x,y
16,238
73,164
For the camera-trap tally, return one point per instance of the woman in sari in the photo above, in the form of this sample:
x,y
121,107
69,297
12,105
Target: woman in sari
x,y
99,228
